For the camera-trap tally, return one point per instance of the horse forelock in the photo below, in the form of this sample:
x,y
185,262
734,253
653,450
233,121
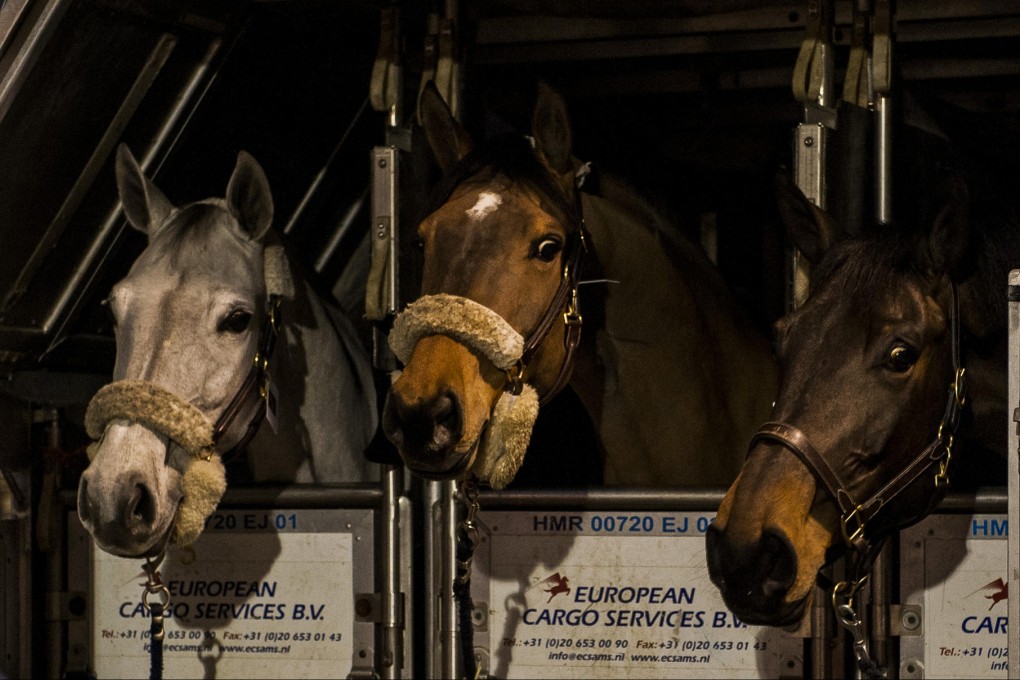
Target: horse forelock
x,y
508,160
866,269
197,233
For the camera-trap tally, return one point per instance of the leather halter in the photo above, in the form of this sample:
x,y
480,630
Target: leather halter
x,y
856,515
254,389
564,300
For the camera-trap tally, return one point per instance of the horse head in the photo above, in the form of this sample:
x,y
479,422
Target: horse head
x,y
497,252
861,426
187,319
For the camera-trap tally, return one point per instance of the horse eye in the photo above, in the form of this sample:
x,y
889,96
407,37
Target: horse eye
x,y
548,249
419,244
901,359
235,322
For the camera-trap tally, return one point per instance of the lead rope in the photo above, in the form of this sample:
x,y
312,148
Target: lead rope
x,y
154,586
467,540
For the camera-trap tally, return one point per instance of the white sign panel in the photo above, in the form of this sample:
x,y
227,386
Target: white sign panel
x,y
262,594
613,595
963,597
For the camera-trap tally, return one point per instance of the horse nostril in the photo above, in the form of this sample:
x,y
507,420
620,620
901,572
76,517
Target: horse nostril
x,y
84,509
713,548
777,563
392,421
446,418
424,427
141,507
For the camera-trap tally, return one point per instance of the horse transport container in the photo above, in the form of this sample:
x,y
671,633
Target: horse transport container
x,y
696,103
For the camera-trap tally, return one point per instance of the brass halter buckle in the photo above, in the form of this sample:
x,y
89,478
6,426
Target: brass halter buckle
x,y
851,537
515,379
571,317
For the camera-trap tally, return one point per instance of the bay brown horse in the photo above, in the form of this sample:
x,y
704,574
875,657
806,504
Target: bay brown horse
x,y
863,436
672,375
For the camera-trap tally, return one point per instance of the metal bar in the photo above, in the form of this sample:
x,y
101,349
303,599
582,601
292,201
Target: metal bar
x,y
11,14
391,661
95,256
883,159
448,605
299,496
381,294
882,579
502,30
23,62
55,544
296,496
25,578
341,231
987,500
154,64
1013,456
317,182
723,42
603,499
431,498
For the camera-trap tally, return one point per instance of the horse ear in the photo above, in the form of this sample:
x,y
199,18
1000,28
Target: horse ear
x,y
810,228
550,126
448,140
145,206
947,238
248,197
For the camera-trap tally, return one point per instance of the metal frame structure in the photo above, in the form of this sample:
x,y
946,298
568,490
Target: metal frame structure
x,y
400,570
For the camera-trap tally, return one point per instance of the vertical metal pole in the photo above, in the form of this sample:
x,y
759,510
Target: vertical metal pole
x,y
55,543
882,60
448,603
433,513
1013,449
881,595
813,86
883,159
25,577
392,601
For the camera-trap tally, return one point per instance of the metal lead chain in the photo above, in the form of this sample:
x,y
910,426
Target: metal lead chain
x,y
843,604
467,529
154,586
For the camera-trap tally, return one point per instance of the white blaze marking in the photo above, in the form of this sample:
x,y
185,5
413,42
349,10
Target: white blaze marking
x,y
487,202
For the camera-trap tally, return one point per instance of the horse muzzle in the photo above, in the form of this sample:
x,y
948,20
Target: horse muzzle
x,y
129,514
756,577
427,433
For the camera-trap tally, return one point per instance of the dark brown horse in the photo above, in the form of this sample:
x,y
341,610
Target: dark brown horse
x,y
863,430
672,375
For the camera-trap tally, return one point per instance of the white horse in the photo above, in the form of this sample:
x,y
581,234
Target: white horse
x,y
195,309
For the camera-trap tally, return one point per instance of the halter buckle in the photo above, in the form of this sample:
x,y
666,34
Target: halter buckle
x,y
515,379
571,317
960,386
852,537
942,476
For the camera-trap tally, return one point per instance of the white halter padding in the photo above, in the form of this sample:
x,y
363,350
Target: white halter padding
x,y
203,476
480,329
471,324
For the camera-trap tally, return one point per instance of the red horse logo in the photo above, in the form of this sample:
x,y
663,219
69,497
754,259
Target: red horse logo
x,y
999,591
558,585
